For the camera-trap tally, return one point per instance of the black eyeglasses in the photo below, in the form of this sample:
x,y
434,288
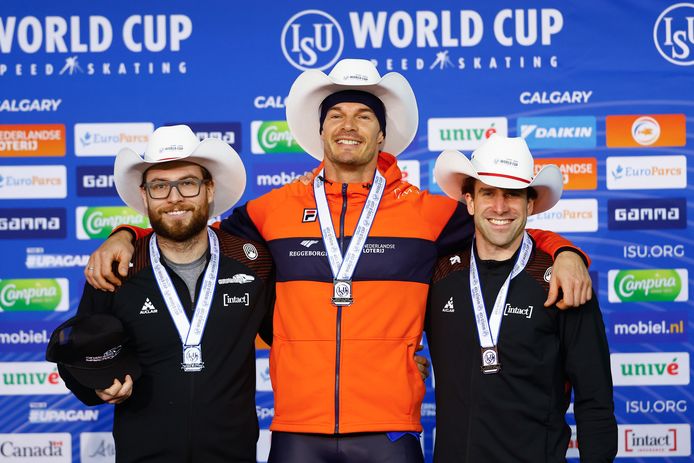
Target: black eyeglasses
x,y
187,187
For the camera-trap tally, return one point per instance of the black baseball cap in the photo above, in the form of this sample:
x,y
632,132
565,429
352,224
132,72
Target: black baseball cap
x,y
92,348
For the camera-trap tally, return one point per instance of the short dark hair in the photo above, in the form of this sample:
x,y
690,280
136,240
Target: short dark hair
x,y
469,187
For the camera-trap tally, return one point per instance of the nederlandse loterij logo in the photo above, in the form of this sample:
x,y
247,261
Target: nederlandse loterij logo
x,y
661,285
577,173
673,34
272,137
312,39
30,140
98,222
650,368
32,295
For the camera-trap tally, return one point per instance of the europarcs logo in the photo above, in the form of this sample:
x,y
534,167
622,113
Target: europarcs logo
x,y
673,34
312,39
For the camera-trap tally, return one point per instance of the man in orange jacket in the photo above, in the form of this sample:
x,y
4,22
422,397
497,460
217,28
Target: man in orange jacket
x,y
354,254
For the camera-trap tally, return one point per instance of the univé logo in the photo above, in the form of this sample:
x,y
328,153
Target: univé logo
x,y
650,368
29,378
658,285
34,295
312,39
673,34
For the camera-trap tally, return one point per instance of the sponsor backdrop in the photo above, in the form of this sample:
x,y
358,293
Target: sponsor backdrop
x,y
603,89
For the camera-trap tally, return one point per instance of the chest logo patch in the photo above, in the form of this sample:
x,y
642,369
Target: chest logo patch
x,y
449,306
250,251
310,215
548,274
148,308
526,312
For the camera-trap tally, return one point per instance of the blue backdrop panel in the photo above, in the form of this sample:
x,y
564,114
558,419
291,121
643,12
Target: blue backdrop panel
x,y
604,89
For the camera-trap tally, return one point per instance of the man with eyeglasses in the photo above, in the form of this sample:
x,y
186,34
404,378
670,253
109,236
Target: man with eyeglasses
x,y
191,305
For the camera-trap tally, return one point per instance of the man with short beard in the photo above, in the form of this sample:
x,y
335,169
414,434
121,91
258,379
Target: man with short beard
x,y
191,305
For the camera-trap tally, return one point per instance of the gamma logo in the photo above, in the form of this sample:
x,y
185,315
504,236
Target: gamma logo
x,y
99,222
31,223
34,295
312,39
657,285
673,34
646,214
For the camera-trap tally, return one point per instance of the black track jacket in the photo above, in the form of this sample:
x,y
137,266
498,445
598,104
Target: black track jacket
x,y
517,415
175,416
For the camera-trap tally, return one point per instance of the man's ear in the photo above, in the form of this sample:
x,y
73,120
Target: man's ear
x,y
531,206
210,191
470,203
144,196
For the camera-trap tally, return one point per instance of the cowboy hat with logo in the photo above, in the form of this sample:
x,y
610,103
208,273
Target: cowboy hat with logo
x,y
92,348
179,143
313,86
501,162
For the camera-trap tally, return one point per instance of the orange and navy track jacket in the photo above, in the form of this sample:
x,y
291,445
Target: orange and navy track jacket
x,y
351,369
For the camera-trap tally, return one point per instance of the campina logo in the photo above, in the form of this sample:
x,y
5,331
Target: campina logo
x,y
34,295
646,214
24,182
98,222
463,133
31,140
654,440
28,223
272,137
577,173
312,39
673,34
650,368
558,132
646,172
658,285
29,378
649,130
106,139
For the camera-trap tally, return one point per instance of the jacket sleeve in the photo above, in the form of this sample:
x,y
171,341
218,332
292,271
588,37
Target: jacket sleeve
x,y
587,365
268,296
553,244
240,224
92,301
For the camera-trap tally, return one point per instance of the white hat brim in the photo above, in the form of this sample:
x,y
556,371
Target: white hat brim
x,y
220,159
313,86
452,168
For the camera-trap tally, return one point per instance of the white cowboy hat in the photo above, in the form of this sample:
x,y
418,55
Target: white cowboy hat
x,y
179,143
500,162
312,86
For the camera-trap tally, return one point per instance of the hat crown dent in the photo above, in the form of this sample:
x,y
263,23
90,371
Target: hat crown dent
x,y
508,157
355,72
171,143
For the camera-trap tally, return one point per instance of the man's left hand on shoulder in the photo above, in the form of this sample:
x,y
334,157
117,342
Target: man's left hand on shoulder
x,y
571,276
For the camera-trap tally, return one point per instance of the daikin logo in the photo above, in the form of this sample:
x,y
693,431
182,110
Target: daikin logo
x,y
558,132
99,222
34,295
661,285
